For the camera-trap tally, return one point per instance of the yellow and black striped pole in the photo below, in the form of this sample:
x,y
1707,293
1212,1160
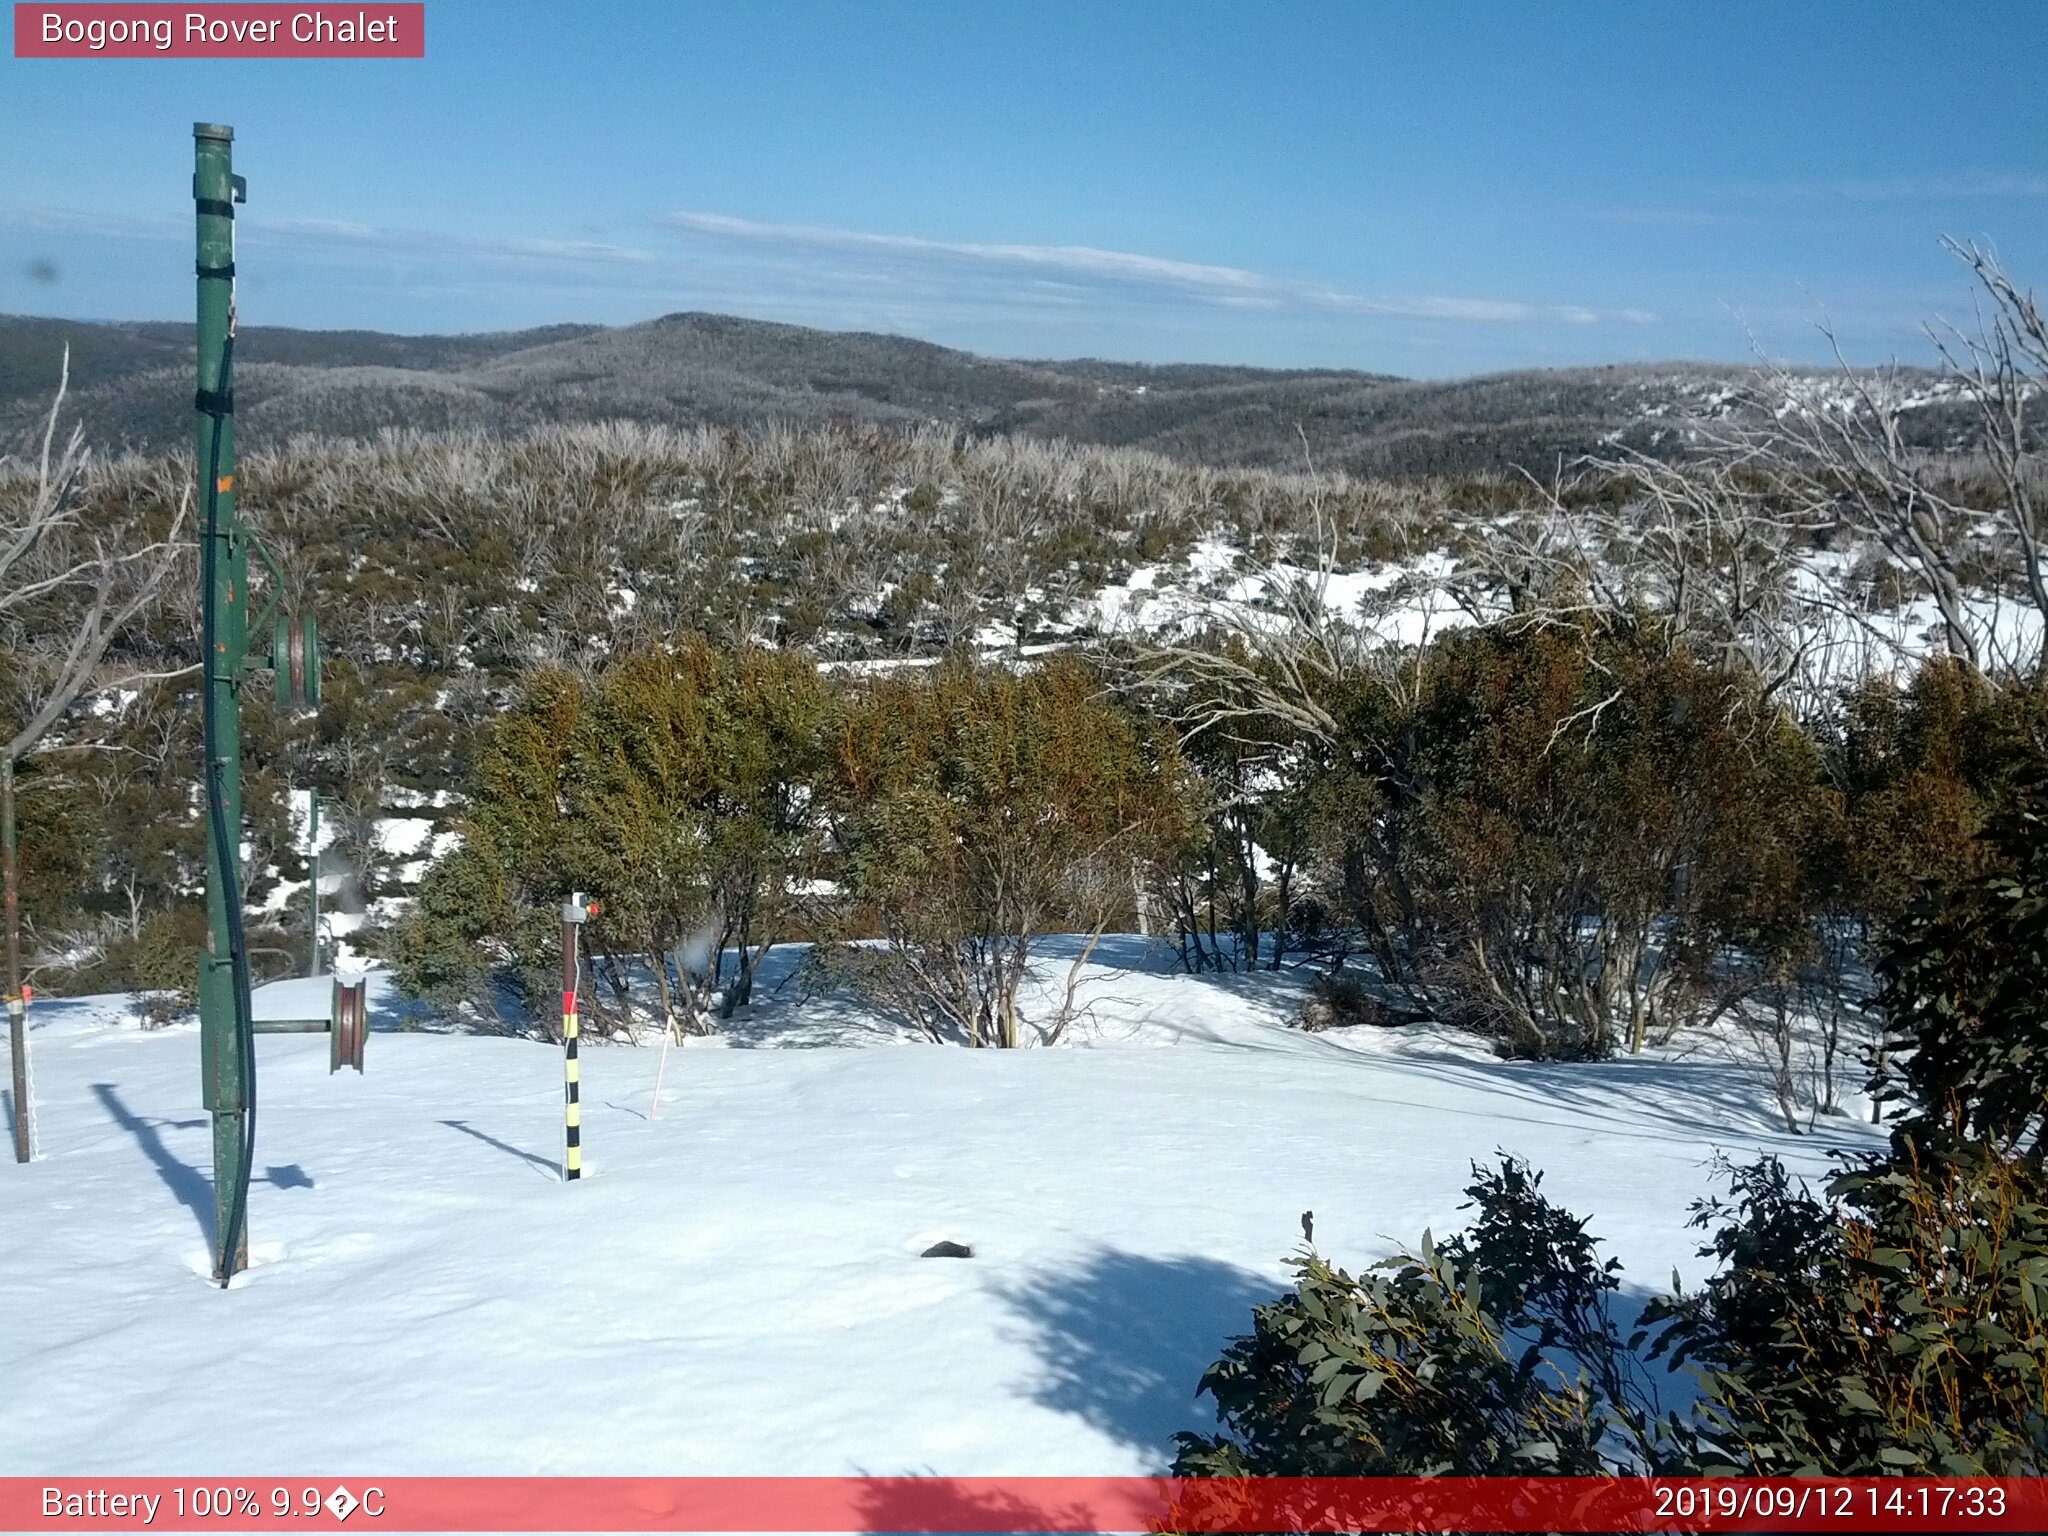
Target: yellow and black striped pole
x,y
575,913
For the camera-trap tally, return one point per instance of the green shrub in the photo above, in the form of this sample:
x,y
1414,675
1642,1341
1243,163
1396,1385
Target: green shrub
x,y
164,962
1922,766
1493,1354
156,964
1400,1373
674,788
973,809
1552,838
1899,1327
1903,1325
1965,991
1902,1328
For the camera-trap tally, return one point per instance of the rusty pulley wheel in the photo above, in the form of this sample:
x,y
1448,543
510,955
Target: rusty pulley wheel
x,y
295,657
351,1025
309,668
295,661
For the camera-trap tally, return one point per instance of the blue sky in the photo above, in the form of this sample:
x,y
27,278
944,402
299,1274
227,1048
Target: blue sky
x,y
1428,189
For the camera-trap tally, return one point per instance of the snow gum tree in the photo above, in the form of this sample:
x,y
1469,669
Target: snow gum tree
x,y
975,809
693,773
481,923
1550,839
675,789
1237,885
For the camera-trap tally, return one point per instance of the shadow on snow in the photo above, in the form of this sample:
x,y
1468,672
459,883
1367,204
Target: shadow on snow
x,y
1123,1338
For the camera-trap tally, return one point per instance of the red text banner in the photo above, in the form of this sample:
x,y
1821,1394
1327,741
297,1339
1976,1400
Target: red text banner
x,y
1021,1504
102,30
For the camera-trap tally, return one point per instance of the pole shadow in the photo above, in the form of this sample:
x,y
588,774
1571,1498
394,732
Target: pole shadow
x,y
193,1188
547,1165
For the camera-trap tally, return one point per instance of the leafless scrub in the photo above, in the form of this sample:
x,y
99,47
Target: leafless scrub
x,y
956,966
78,564
1850,454
1704,557
77,567
1804,1027
1266,661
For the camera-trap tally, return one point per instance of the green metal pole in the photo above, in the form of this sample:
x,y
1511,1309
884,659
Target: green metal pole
x,y
226,1092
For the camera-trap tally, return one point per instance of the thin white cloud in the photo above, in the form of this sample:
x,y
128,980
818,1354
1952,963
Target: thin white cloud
x,y
346,233
1670,218
71,221
1956,186
578,250
1233,287
830,274
1068,258
414,242
1900,189
331,229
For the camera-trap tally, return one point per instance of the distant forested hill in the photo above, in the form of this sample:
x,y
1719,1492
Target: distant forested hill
x,y
131,386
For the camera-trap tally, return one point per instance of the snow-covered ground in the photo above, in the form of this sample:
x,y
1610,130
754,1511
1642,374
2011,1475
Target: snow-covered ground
x,y
736,1286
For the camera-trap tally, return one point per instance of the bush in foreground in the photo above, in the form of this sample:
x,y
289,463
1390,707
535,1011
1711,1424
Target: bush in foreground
x,y
1900,1326
1966,989
1492,1354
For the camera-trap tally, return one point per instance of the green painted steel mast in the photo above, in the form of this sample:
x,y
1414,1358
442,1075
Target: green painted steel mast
x,y
226,1054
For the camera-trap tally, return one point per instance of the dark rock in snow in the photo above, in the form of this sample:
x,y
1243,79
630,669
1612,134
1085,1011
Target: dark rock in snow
x,y
947,1251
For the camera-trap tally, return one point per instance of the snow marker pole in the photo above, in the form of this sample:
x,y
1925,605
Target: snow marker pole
x,y
667,1034
313,877
575,913
28,1074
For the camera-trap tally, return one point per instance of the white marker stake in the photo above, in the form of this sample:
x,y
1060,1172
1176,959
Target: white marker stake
x,y
668,1034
